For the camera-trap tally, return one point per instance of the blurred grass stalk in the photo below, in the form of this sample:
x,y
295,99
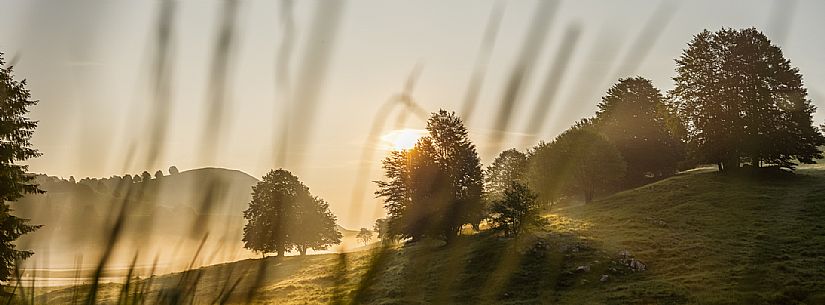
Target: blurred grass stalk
x,y
301,99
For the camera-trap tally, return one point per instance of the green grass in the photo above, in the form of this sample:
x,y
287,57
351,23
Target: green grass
x,y
705,237
711,238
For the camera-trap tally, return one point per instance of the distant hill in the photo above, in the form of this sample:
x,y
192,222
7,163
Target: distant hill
x,y
702,237
77,217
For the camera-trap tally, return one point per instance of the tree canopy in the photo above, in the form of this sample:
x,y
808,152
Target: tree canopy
x,y
516,211
578,161
365,235
742,100
510,166
145,176
434,188
634,117
283,216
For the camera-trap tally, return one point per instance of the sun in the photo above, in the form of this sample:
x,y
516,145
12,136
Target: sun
x,y
402,139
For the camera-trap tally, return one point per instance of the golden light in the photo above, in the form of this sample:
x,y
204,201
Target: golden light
x,y
402,138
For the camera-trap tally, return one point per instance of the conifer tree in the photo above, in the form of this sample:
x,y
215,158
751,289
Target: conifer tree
x,y
15,134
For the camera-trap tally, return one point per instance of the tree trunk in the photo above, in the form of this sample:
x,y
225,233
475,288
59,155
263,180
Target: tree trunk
x,y
303,250
588,196
451,235
730,164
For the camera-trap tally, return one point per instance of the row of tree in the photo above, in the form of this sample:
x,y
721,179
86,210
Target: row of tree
x,y
736,100
137,178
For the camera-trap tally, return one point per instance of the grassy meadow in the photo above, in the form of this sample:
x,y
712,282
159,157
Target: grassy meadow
x,y
704,237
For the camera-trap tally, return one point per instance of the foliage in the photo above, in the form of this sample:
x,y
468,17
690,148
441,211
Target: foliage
x,y
316,227
365,235
635,118
173,170
283,215
516,211
743,101
577,161
15,133
158,174
434,188
510,166
380,227
145,176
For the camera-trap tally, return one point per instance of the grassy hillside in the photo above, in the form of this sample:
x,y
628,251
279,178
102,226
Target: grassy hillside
x,y
711,238
703,238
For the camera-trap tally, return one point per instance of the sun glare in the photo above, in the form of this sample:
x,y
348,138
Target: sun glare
x,y
402,138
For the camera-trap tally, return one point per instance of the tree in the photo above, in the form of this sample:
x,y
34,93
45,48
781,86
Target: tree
x,y
71,180
15,134
578,161
540,175
315,226
381,227
283,215
434,188
145,176
365,235
516,211
510,166
158,174
743,101
136,179
173,170
635,118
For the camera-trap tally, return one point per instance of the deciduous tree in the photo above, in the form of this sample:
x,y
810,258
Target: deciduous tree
x,y
516,211
578,161
634,117
434,188
510,166
365,235
283,215
743,101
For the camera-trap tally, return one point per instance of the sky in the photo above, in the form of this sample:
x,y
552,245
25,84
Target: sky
x,y
89,63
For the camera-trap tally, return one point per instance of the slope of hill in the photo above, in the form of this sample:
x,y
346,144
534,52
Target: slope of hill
x,y
701,237
712,238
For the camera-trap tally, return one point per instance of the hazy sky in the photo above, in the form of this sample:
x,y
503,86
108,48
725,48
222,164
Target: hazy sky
x,y
88,62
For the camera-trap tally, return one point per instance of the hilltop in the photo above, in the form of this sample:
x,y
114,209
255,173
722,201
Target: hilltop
x,y
177,209
701,236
